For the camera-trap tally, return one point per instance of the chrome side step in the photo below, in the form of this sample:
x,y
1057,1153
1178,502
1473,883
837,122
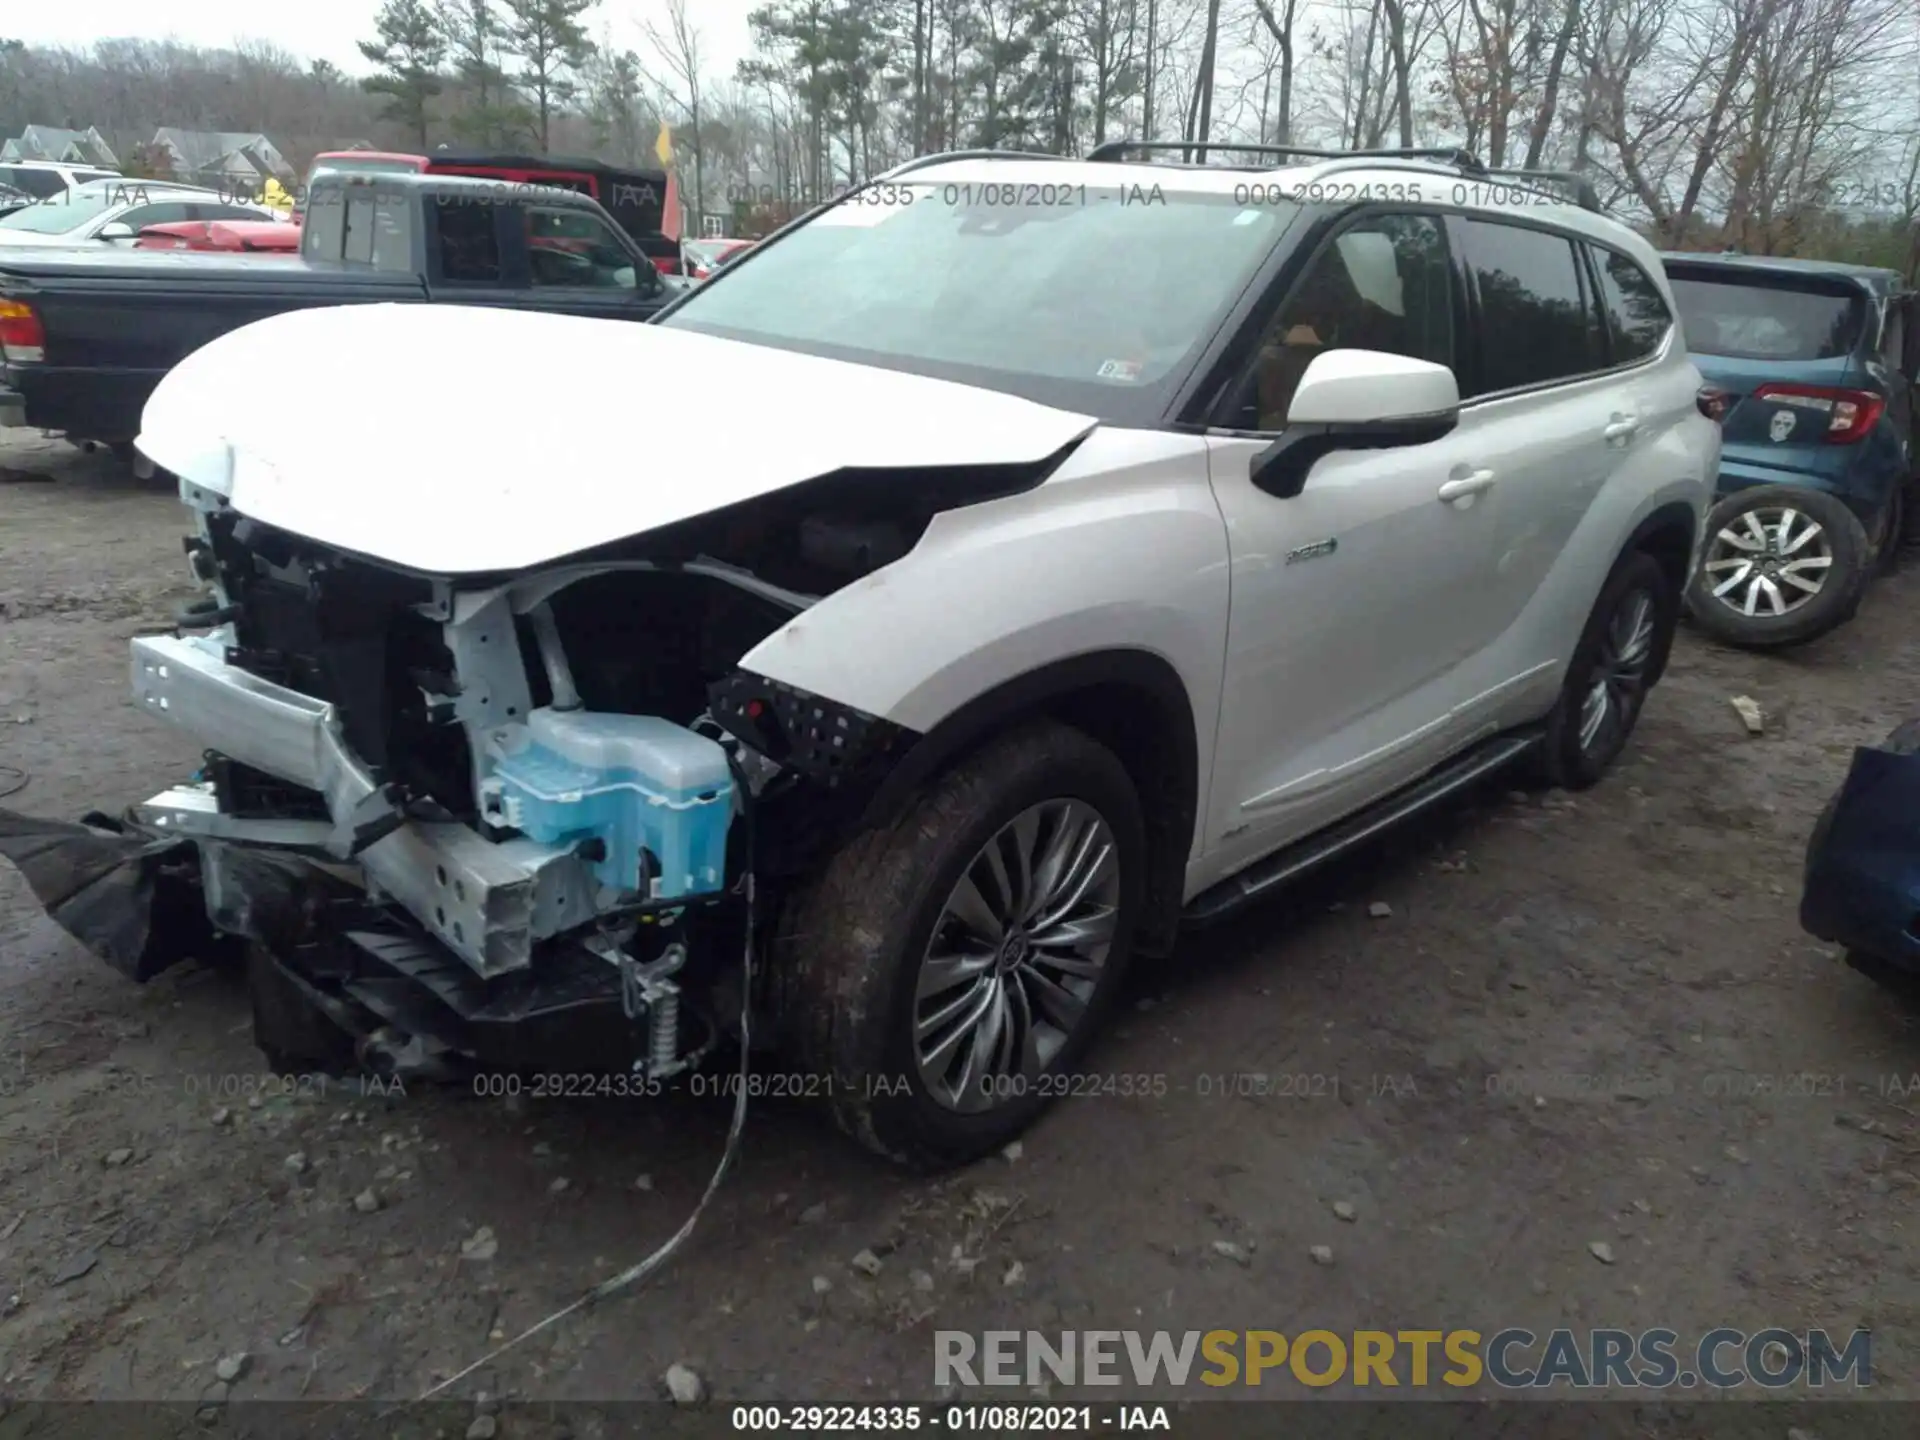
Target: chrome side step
x,y
1263,876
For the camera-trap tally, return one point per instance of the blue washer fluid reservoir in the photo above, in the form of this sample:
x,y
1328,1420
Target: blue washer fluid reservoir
x,y
633,782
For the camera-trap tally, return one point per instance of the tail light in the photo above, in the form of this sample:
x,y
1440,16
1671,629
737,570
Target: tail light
x,y
1851,414
1713,403
22,340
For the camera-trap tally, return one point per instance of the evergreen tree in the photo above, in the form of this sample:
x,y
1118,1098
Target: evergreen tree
x,y
409,51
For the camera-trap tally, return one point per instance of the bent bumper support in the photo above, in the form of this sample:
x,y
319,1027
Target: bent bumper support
x,y
487,902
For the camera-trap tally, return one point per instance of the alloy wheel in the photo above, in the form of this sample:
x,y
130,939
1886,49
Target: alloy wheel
x,y
1618,681
1016,956
1768,562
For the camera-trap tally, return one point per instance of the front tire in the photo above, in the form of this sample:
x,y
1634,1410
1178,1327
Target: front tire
x,y
947,970
1782,566
1621,653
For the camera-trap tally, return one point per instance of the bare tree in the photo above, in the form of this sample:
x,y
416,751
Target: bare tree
x,y
1280,26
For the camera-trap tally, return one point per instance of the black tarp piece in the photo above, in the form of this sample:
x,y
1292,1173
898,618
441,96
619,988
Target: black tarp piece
x,y
130,896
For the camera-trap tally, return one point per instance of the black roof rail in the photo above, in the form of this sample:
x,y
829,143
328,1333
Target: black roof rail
x,y
1584,195
920,162
1444,154
1120,149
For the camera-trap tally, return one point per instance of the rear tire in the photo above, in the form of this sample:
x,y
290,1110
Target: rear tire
x,y
1765,546
1621,653
873,951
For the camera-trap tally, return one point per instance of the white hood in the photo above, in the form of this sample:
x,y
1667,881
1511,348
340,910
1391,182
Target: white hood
x,y
455,439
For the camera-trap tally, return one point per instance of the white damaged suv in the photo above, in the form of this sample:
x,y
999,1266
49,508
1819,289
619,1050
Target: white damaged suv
x,y
995,570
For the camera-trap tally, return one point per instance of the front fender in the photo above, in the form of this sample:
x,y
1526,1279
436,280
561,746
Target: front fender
x,y
1123,548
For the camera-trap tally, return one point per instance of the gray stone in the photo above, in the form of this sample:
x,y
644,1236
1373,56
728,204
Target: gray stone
x,y
684,1385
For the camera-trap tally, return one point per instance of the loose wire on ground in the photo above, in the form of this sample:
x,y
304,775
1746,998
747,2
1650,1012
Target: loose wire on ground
x,y
638,1272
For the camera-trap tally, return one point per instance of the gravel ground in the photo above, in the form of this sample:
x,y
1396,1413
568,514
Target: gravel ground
x,y
1456,1133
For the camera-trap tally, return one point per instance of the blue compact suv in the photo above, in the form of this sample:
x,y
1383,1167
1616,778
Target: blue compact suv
x,y
1810,368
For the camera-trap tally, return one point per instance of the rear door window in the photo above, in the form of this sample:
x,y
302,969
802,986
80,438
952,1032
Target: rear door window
x,y
226,212
467,242
1538,324
1638,316
1747,320
166,213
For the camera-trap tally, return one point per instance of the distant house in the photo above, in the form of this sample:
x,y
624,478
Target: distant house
x,y
220,158
62,147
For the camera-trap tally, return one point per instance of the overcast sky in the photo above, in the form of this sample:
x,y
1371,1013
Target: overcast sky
x,y
329,29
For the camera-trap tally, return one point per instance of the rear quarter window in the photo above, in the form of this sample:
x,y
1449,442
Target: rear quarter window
x,y
1637,316
1746,319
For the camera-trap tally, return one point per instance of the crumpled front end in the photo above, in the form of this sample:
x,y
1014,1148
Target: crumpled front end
x,y
493,822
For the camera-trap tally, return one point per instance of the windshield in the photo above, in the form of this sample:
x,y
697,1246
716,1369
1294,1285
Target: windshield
x,y
1744,320
73,208
1079,296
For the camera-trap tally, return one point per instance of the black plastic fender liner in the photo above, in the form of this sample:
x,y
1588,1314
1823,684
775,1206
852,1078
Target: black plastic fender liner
x,y
130,896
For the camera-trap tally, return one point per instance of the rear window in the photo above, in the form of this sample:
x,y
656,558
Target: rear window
x,y
1744,320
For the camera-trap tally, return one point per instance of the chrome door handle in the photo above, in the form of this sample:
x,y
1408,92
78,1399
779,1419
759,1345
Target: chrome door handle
x,y
1624,427
1467,485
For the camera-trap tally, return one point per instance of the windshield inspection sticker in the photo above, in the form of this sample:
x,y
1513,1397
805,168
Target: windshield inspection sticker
x,y
1781,426
1120,369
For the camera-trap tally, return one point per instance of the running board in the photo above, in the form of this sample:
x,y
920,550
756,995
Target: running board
x,y
1357,829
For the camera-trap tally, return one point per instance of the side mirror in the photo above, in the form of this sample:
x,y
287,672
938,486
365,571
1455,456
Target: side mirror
x,y
117,230
1357,400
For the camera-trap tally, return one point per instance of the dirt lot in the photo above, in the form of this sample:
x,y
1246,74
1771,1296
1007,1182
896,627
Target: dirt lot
x,y
1458,1064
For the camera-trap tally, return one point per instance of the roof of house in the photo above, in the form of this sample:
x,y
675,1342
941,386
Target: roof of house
x,y
52,142
195,150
